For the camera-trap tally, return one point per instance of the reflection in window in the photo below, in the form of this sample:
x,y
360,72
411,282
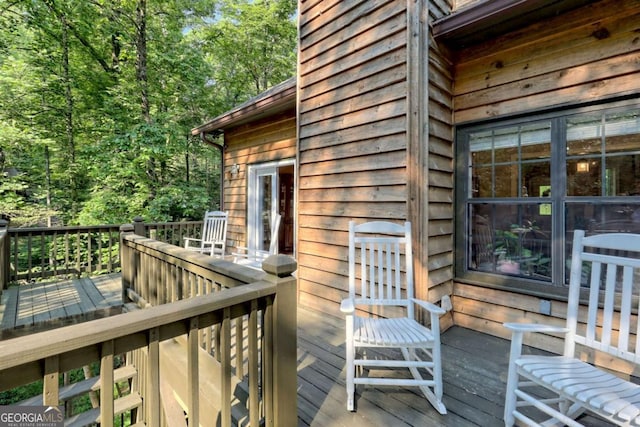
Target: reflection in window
x,y
513,239
602,154
527,187
511,162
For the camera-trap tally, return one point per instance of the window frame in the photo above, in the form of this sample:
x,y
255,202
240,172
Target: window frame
x,y
558,119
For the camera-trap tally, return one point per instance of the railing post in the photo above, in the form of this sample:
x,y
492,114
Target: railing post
x,y
285,378
5,254
126,261
138,226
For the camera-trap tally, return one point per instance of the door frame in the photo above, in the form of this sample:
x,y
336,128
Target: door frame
x,y
254,193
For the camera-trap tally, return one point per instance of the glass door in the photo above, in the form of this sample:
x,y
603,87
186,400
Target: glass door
x,y
264,202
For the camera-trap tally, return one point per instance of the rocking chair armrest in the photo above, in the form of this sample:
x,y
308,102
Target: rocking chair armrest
x,y
535,327
517,339
187,240
348,306
430,307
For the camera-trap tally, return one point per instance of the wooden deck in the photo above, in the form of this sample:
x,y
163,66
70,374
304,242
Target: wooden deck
x,y
36,307
474,364
474,372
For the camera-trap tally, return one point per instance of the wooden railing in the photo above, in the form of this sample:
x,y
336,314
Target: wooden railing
x,y
52,252
155,272
45,252
185,337
168,232
254,345
4,255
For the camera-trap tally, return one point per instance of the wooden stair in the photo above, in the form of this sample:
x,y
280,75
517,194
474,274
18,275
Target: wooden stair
x,y
80,388
173,363
91,417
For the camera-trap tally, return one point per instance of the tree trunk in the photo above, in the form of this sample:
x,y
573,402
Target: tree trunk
x,y
68,116
141,58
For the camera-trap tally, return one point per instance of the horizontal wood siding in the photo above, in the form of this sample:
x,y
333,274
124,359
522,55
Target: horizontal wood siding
x,y
585,55
352,117
354,154
589,54
261,141
485,310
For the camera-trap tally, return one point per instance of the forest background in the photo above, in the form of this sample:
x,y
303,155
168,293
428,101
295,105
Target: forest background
x,y
98,97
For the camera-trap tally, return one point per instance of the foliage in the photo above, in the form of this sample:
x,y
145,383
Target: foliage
x,y
99,99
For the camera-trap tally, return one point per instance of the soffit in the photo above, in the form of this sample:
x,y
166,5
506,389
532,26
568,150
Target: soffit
x,y
492,18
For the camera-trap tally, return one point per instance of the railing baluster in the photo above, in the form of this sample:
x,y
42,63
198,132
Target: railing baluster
x,y
43,256
16,269
53,256
51,383
192,372
78,266
30,257
67,252
239,347
254,380
110,256
153,378
106,384
225,350
89,253
99,236
267,364
161,269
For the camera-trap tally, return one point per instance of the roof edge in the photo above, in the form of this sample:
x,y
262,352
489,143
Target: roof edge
x,y
490,17
274,99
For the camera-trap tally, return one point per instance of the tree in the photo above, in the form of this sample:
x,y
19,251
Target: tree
x,y
105,92
251,48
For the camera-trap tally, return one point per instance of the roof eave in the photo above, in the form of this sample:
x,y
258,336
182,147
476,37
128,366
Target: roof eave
x,y
263,105
488,19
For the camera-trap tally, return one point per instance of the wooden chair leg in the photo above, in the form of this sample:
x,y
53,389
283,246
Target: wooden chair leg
x,y
350,376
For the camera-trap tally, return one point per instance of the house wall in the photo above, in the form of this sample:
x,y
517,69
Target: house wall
x,y
260,141
362,150
590,54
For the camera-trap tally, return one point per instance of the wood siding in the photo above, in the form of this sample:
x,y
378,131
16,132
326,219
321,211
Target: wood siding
x,y
358,129
257,142
589,54
585,55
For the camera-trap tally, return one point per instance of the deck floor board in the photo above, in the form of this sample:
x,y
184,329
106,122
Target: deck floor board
x,y
36,307
474,374
474,364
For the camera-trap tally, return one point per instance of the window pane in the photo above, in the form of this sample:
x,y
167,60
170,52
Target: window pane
x,y
496,158
584,177
510,205
602,154
584,135
623,175
622,132
481,185
597,218
536,179
622,146
513,239
506,181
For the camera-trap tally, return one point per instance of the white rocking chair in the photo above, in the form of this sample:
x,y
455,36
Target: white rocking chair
x,y
605,266
385,285
253,257
214,235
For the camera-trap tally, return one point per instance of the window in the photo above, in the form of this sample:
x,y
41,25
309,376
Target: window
x,y
523,187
